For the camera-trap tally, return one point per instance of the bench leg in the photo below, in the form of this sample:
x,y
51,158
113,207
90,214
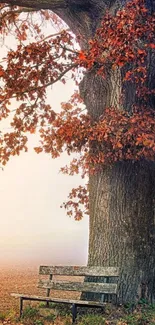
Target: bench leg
x,y
21,307
47,304
74,312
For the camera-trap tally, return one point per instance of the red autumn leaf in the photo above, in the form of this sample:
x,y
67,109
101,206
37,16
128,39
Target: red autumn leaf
x,y
82,56
120,63
1,72
141,51
152,45
128,75
38,149
32,130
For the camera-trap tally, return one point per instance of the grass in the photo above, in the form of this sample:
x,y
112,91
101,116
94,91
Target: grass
x,y
2,316
30,312
59,314
92,320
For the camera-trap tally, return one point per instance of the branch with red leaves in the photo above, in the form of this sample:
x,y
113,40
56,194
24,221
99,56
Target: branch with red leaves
x,y
122,42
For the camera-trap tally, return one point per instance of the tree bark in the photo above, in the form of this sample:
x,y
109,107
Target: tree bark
x,y
122,226
122,202
122,196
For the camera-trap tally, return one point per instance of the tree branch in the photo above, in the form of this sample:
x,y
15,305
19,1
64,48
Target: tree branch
x,y
19,11
72,66
37,4
53,35
82,16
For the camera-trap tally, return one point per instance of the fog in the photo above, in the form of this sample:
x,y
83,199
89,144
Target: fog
x,y
34,229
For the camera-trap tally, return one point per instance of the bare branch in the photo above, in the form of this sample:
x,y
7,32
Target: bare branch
x,y
53,35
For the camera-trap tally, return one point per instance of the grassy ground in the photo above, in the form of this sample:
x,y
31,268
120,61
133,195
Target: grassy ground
x,y
24,280
59,314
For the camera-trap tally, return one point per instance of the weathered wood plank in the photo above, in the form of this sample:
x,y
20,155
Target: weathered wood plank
x,y
58,300
79,286
80,270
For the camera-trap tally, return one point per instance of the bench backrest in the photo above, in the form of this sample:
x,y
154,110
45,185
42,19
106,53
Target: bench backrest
x,y
96,271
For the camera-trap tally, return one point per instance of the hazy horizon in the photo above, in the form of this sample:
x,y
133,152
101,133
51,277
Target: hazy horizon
x,y
34,229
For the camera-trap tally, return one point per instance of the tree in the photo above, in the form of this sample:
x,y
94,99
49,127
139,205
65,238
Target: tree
x,y
117,134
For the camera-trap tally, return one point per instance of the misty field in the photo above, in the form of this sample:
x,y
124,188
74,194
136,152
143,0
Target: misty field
x,y
18,280
24,280
21,280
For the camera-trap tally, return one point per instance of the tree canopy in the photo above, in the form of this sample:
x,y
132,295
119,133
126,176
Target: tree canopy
x,y
122,41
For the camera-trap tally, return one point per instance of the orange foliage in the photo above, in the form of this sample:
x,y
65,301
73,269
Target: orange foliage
x,y
123,41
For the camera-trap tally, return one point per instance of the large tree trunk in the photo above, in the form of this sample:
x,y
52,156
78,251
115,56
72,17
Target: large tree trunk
x,y
122,226
122,196
122,203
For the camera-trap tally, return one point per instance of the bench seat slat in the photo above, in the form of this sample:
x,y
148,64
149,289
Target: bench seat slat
x,y
110,288
58,300
79,270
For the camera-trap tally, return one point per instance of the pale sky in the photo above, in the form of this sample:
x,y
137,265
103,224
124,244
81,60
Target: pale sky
x,y
34,229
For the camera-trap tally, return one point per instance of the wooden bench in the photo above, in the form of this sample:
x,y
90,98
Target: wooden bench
x,y
70,285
